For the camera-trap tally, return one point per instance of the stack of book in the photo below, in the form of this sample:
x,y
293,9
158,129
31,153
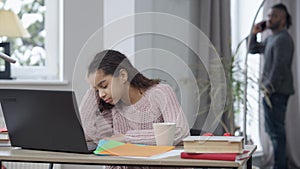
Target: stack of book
x,y
229,148
4,138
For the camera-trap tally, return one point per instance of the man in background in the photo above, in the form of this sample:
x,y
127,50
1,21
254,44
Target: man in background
x,y
277,79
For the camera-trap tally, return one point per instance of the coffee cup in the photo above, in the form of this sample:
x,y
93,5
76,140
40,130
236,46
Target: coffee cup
x,y
164,133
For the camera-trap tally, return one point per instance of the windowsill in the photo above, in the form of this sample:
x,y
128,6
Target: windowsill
x,y
33,82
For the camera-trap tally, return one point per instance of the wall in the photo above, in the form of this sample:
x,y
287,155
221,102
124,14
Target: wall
x,y
159,43
81,20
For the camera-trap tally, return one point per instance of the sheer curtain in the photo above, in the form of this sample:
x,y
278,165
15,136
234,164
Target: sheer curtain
x,y
293,111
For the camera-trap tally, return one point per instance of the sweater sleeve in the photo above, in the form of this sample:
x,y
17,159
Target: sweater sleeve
x,y
254,46
96,124
172,112
163,97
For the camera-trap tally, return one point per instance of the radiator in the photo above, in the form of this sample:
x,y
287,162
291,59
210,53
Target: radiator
x,y
20,165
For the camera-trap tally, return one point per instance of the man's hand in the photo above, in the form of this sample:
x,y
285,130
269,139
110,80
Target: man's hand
x,y
258,27
266,95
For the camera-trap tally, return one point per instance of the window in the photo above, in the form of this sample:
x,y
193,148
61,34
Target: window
x,y
242,15
38,56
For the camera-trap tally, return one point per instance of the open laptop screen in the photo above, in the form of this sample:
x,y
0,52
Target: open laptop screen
x,y
43,120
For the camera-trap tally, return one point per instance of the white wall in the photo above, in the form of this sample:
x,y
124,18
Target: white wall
x,y
162,47
81,20
120,36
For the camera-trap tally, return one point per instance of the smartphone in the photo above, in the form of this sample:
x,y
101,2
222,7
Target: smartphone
x,y
263,25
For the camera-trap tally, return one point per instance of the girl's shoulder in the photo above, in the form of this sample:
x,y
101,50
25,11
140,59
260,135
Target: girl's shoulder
x,y
159,89
160,86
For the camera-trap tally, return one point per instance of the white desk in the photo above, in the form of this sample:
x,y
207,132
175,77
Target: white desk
x,y
24,155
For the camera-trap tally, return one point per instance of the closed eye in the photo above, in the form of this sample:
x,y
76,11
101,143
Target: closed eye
x,y
102,86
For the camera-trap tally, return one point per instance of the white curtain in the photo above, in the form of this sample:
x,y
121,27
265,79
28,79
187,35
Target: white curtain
x,y
293,113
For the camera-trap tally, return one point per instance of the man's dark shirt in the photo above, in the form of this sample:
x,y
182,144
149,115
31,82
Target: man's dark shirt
x,y
278,52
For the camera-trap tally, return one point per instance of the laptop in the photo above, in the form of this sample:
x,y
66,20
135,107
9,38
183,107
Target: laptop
x,y
43,120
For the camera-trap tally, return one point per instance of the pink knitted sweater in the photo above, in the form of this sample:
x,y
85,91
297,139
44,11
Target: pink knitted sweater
x,y
159,104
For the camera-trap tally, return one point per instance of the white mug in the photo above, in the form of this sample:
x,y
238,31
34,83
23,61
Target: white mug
x,y
164,133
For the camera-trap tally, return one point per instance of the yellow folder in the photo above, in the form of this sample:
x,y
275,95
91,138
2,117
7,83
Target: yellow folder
x,y
136,150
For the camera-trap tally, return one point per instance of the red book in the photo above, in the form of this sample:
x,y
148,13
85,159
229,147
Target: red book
x,y
3,129
215,156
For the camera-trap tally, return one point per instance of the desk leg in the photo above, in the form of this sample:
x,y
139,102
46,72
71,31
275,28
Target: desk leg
x,y
51,166
249,163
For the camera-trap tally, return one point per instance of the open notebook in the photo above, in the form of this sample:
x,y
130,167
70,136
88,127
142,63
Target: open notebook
x,y
43,120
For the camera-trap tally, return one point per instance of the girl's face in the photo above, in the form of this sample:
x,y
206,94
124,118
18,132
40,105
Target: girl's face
x,y
111,89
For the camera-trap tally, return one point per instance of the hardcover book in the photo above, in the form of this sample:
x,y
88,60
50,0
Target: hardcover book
x,y
216,156
213,144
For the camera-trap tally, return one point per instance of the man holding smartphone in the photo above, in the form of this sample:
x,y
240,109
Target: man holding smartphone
x,y
277,79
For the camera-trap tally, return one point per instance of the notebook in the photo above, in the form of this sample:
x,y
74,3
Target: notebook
x,y
43,120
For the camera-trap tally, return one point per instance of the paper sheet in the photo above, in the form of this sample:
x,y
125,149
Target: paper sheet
x,y
109,147
158,156
139,151
105,145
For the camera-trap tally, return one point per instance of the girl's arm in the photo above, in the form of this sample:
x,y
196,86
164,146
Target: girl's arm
x,y
96,125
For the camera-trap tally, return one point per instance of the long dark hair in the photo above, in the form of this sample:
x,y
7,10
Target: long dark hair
x,y
283,8
111,62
